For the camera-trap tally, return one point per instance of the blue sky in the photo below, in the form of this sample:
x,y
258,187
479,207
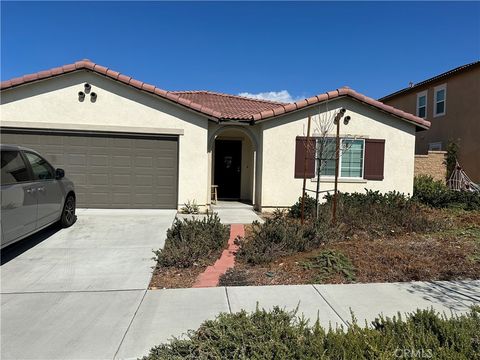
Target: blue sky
x,y
303,48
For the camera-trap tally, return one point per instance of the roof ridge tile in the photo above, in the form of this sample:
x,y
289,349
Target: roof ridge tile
x,y
247,109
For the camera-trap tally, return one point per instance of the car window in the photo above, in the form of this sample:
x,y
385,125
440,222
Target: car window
x,y
40,167
14,169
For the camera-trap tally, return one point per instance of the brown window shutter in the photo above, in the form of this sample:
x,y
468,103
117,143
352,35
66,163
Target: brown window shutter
x,y
300,147
374,159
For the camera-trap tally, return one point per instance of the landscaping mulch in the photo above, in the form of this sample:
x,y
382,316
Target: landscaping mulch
x,y
174,278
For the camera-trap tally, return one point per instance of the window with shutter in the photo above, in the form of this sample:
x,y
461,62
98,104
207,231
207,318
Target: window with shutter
x,y
374,159
351,157
304,152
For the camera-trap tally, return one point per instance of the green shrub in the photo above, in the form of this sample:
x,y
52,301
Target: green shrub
x,y
379,214
295,210
330,263
190,241
431,192
190,207
371,213
281,235
278,334
465,200
436,194
451,157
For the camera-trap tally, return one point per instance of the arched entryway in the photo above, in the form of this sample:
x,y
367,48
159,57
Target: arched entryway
x,y
232,151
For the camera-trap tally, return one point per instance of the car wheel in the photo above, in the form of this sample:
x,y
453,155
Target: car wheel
x,y
68,214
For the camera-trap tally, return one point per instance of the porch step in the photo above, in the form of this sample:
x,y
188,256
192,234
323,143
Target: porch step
x,y
223,205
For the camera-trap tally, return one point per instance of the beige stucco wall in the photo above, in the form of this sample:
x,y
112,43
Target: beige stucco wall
x,y
280,188
55,101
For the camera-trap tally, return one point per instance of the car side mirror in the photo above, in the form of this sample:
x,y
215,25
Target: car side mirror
x,y
59,174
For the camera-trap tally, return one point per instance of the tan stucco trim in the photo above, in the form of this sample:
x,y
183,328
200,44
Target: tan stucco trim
x,y
91,128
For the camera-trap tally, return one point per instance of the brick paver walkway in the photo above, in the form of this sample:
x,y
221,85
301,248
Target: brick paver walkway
x,y
211,276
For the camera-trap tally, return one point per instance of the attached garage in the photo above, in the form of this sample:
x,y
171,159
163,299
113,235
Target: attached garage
x,y
110,170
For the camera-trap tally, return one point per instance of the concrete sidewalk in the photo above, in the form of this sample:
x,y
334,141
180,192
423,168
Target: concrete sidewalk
x,y
125,324
171,312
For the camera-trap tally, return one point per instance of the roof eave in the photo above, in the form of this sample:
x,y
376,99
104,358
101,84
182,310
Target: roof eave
x,y
342,93
443,75
88,66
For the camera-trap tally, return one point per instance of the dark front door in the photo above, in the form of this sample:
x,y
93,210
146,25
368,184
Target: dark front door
x,y
228,164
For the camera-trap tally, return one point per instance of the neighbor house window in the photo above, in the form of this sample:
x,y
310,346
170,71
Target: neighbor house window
x,y
422,104
440,100
435,146
351,157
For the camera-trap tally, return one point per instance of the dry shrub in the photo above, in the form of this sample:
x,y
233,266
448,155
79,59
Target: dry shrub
x,y
373,214
234,277
379,214
280,235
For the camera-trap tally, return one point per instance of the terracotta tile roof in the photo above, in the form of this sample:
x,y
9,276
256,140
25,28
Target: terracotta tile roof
x,y
102,70
342,92
216,106
437,77
231,106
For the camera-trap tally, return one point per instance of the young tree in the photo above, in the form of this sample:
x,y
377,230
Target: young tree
x,y
326,150
451,158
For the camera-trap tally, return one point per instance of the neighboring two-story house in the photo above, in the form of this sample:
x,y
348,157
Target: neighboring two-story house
x,y
451,102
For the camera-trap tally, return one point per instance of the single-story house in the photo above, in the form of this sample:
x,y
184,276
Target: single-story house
x,y
129,144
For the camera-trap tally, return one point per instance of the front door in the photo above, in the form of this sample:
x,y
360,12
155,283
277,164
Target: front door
x,y
228,164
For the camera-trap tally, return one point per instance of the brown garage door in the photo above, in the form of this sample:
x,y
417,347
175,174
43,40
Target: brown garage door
x,y
110,170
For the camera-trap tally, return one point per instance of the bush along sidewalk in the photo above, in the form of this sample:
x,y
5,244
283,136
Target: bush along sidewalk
x,y
278,334
192,241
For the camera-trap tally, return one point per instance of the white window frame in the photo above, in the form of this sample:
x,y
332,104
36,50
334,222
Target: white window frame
x,y
340,162
436,89
437,145
419,95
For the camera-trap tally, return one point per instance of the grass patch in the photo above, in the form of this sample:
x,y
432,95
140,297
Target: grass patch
x,y
192,241
278,334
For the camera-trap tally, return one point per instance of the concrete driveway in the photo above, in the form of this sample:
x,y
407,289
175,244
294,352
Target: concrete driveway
x,y
74,293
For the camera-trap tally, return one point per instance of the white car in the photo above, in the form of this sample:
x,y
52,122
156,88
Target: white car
x,y
34,194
